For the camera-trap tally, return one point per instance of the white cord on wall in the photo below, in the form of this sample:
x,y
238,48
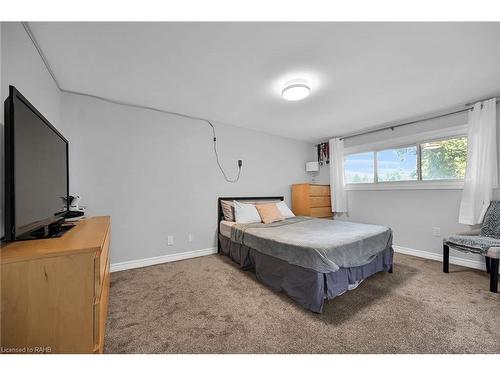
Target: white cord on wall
x,y
119,102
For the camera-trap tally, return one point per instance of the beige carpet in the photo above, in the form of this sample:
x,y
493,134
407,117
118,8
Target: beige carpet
x,y
208,305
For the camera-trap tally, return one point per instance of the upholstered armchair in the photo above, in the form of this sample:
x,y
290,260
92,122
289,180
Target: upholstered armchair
x,y
484,241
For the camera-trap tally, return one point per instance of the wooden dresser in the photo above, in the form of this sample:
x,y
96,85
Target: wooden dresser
x,y
55,291
311,200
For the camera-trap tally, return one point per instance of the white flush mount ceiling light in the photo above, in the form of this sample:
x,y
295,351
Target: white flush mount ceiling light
x,y
297,89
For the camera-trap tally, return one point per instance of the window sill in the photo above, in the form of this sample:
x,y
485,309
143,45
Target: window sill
x,y
408,185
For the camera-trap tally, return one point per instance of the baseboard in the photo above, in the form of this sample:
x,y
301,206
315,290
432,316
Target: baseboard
x,y
439,257
161,259
202,252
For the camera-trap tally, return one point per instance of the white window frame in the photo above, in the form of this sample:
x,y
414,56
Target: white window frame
x,y
405,141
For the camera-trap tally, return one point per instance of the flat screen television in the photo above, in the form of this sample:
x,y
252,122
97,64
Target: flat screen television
x,y
36,172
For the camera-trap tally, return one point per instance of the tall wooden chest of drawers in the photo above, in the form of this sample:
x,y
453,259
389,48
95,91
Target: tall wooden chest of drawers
x,y
54,292
311,200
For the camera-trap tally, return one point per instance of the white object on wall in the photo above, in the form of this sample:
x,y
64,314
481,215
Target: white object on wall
x,y
337,185
481,174
312,167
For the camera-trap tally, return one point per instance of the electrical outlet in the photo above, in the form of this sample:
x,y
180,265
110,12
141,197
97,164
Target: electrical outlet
x,y
190,237
170,240
436,231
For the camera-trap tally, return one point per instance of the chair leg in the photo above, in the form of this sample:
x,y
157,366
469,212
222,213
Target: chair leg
x,y
390,269
487,261
494,275
446,258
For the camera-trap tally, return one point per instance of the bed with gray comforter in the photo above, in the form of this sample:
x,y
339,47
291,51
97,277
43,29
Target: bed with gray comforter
x,y
310,259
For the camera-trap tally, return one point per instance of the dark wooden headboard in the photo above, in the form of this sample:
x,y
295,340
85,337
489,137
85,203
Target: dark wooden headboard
x,y
220,215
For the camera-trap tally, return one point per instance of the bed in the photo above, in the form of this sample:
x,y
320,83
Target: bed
x,y
309,259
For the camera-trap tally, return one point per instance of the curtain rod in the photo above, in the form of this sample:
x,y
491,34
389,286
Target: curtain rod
x,y
468,106
392,127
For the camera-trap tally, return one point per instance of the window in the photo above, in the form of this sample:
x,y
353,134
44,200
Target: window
x,y
397,164
359,168
436,160
445,159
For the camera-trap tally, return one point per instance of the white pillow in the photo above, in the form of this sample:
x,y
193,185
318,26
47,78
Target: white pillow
x,y
285,211
245,213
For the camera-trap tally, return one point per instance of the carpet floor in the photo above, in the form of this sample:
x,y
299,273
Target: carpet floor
x,y
209,305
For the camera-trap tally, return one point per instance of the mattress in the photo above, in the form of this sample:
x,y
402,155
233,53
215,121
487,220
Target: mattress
x,y
225,228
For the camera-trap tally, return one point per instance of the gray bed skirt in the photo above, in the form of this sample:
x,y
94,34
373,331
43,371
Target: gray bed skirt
x,y
305,286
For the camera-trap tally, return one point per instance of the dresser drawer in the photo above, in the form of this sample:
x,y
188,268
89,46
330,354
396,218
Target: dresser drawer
x,y
101,313
100,264
319,201
319,190
321,212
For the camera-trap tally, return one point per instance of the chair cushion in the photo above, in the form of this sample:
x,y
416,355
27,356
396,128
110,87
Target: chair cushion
x,y
479,244
491,222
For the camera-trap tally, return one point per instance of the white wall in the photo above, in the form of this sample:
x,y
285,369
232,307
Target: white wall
x,y
156,174
22,67
410,213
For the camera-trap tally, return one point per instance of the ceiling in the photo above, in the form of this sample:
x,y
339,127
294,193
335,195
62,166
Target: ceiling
x,y
361,74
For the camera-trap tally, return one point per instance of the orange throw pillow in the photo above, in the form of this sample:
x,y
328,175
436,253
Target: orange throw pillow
x,y
269,213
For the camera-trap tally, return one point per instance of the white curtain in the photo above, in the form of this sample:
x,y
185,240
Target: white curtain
x,y
337,186
481,174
